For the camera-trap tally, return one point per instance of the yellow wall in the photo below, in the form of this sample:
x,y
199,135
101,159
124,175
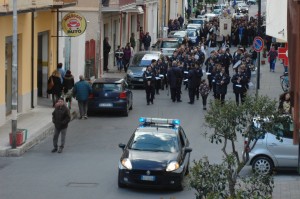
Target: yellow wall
x,y
44,21
50,26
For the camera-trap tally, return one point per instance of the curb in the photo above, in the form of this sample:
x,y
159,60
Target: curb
x,y
46,131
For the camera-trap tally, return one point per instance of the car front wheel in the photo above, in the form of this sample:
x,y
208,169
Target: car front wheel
x,y
262,165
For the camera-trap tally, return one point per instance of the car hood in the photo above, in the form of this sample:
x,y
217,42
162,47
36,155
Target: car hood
x,y
137,71
150,160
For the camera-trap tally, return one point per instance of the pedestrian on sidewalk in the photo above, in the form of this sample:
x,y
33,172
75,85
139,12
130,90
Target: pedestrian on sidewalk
x,y
132,40
126,56
119,58
57,87
285,106
106,50
147,41
61,118
68,85
61,71
81,91
272,58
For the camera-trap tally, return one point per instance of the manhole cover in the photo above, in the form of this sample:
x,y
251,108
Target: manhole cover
x,y
82,184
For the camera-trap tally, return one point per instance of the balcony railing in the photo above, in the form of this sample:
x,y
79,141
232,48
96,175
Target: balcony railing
x,y
7,5
126,2
117,5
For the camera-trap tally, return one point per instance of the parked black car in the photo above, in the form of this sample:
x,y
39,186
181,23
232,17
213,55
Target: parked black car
x,y
110,94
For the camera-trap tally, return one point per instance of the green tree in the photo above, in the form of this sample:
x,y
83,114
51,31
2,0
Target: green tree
x,y
228,121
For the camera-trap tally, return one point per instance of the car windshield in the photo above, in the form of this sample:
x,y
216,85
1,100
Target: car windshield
x,y
169,44
242,5
142,60
106,87
217,7
154,141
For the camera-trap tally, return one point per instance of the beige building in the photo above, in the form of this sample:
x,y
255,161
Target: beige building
x,y
37,51
115,19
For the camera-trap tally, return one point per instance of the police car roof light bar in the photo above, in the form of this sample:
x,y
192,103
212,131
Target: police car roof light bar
x,y
159,120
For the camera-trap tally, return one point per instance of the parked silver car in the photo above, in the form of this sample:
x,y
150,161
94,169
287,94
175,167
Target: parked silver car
x,y
272,152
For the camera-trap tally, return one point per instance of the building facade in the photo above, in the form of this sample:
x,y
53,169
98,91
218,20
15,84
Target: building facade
x,y
37,51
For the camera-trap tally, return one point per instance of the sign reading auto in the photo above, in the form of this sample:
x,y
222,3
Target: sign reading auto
x,y
73,24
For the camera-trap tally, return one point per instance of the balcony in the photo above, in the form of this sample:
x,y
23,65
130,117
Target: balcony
x,y
120,6
6,6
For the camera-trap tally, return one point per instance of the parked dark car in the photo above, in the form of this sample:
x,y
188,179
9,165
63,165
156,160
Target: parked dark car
x,y
110,94
138,65
166,45
156,156
178,34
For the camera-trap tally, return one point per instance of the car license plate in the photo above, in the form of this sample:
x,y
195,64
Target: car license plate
x,y
148,178
141,80
105,105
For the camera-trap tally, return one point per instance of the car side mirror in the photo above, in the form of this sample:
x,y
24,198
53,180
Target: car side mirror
x,y
122,146
188,150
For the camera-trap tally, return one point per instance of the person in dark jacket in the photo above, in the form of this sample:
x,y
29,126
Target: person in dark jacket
x,y
106,50
149,81
126,56
56,90
175,79
240,82
147,41
68,86
199,76
192,83
222,80
82,90
61,118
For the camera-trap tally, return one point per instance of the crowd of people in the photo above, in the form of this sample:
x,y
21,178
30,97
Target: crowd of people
x,y
187,66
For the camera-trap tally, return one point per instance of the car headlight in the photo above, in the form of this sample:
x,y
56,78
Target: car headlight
x,y
126,163
172,166
129,72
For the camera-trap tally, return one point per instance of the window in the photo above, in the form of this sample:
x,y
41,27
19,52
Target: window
x,y
169,44
107,87
153,141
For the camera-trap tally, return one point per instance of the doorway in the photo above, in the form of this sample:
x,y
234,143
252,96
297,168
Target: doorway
x,y
43,63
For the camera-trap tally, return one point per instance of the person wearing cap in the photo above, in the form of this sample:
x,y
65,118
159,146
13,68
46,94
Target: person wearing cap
x,y
149,82
61,118
147,41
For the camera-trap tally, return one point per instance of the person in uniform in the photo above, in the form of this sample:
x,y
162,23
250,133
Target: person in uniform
x,y
240,82
175,78
192,83
149,81
199,76
222,80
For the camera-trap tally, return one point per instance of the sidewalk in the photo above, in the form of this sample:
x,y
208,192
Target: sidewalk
x,y
38,123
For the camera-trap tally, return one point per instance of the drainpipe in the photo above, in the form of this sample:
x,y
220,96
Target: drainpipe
x,y
32,59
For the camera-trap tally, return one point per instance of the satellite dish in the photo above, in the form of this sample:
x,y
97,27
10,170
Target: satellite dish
x,y
237,64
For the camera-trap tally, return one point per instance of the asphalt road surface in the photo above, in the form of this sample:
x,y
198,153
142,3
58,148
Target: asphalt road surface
x,y
88,166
